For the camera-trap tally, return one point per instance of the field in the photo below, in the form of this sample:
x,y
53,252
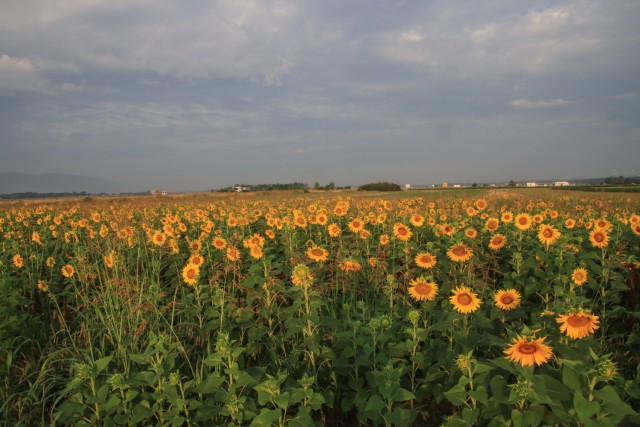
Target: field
x,y
482,307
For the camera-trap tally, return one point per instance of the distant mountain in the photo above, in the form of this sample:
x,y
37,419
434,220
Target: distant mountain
x,y
14,182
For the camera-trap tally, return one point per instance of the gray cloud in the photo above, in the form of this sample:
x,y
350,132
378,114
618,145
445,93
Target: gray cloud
x,y
205,94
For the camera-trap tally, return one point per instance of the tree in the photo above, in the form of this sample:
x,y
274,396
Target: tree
x,y
331,186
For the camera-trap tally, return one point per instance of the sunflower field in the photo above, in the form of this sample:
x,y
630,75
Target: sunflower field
x,y
497,308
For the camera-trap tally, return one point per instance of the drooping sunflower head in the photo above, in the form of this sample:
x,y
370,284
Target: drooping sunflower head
x,y
317,253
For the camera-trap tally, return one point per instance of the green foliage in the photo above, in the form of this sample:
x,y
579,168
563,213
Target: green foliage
x,y
380,186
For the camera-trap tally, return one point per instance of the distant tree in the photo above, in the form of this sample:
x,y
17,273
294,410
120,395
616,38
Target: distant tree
x,y
474,185
316,186
512,183
380,186
331,186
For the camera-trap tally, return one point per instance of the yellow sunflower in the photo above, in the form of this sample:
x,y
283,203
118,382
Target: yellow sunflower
x,y
497,242
547,234
402,232
526,352
425,260
18,261
301,276
523,221
316,253
578,325
422,290
579,276
507,299
190,274
491,224
460,253
334,230
464,300
219,243
384,240
233,254
471,233
356,225
68,270
599,238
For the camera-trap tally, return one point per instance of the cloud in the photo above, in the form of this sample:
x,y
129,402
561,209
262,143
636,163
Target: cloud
x,y
19,74
525,103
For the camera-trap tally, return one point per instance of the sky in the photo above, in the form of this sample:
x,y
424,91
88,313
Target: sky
x,y
194,95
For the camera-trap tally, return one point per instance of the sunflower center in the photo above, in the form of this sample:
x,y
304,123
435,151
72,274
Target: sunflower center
x,y
527,348
577,321
459,251
598,237
465,299
547,233
523,221
317,252
497,240
402,231
506,299
191,273
423,288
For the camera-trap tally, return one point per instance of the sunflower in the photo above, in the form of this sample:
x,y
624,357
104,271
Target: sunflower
x,y
422,290
401,232
50,262
356,225
67,270
547,234
334,229
471,233
527,352
190,273
578,325
497,242
196,259
316,253
158,238
460,253
417,220
219,243
301,275
579,276
18,261
384,240
636,229
507,217
523,221
464,301
570,223
233,254
256,252
42,285
425,260
491,224
109,260
349,264
507,299
599,238
481,204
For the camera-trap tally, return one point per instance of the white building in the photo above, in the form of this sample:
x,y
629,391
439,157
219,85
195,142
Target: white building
x,y
561,184
531,184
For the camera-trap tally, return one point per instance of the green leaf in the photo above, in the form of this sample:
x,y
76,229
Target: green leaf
x,y
585,408
402,395
480,394
401,417
101,364
374,407
316,401
612,402
517,418
266,418
456,394
210,385
570,378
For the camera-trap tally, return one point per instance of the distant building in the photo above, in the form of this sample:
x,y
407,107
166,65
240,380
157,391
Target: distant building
x,y
561,184
158,193
240,188
445,184
407,186
456,185
531,184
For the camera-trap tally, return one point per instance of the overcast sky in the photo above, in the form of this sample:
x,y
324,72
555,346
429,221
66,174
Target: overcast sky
x,y
192,95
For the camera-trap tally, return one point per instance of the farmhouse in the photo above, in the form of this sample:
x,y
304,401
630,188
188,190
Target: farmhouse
x,y
531,184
